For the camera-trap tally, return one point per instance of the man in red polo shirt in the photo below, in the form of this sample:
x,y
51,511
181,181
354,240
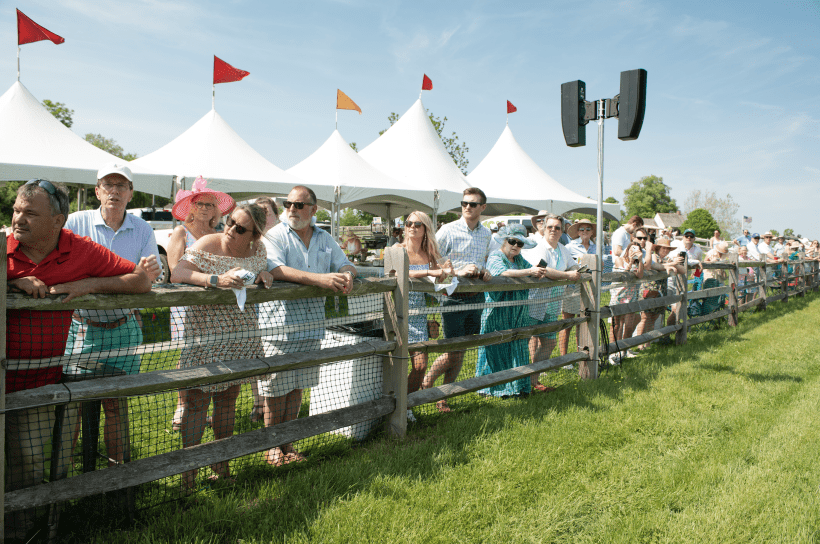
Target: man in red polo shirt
x,y
43,258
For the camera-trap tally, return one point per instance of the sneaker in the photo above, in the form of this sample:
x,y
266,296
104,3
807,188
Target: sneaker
x,y
410,417
629,354
615,359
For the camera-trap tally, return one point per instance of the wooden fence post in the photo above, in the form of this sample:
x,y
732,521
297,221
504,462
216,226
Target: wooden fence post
x,y
589,331
3,279
762,289
682,313
396,327
733,304
801,279
784,282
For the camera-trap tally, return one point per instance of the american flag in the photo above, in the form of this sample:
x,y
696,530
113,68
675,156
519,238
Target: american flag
x,y
747,219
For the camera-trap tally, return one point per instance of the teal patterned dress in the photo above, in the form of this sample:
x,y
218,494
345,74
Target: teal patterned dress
x,y
512,354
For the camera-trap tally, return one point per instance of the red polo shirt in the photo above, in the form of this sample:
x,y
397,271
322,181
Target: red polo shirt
x,y
39,334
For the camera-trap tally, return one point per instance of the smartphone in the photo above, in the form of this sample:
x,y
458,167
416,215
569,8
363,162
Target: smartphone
x,y
542,263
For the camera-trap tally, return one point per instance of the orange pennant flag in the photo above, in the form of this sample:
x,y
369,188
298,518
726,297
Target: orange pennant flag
x,y
343,102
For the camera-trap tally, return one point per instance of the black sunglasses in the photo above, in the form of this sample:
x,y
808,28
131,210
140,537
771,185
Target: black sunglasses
x,y
45,184
417,224
239,228
298,205
688,235
465,204
641,238
515,242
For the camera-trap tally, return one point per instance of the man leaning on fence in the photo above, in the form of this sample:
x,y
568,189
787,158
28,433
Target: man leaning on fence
x,y
301,253
44,259
131,238
466,243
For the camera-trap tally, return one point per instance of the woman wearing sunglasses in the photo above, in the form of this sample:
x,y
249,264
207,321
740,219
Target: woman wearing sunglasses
x,y
213,262
200,209
507,261
422,251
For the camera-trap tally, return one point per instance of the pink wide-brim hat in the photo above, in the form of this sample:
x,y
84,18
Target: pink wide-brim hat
x,y
184,199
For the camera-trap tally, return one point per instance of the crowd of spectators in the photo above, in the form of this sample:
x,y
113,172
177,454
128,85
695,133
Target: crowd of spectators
x,y
107,250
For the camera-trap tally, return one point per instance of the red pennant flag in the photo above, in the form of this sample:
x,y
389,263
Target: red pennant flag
x,y
511,108
225,73
29,32
426,83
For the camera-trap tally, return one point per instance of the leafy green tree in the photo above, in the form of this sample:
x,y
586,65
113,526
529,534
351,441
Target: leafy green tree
x,y
775,233
448,217
322,215
353,147
60,111
110,145
648,196
456,148
8,194
723,210
352,218
700,221
788,232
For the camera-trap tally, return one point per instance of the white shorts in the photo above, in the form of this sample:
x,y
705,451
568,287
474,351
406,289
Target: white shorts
x,y
282,383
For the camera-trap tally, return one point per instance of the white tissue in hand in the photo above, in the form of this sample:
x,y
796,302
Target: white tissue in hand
x,y
448,287
247,278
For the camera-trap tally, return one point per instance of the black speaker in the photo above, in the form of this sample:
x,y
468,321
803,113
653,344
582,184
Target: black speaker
x,y
573,96
632,104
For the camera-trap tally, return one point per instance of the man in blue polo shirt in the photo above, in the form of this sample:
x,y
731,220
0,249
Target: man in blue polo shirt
x,y
131,238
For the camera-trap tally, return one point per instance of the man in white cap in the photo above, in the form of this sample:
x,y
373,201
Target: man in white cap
x,y
131,238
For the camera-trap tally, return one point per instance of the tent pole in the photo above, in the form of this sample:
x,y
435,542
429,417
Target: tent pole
x,y
435,210
18,63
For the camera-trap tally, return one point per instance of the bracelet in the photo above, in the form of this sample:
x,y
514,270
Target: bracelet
x,y
352,275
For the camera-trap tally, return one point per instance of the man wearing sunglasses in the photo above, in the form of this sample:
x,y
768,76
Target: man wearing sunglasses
x,y
131,238
466,243
694,253
302,253
45,259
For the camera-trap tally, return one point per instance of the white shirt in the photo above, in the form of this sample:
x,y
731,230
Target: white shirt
x,y
559,259
620,238
755,251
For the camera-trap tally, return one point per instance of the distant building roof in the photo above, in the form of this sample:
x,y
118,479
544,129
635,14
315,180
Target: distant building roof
x,y
670,220
649,223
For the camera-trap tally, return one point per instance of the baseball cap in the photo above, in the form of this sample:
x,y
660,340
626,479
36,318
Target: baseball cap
x,y
114,168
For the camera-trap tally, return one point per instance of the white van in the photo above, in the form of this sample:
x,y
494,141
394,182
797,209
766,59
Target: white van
x,y
525,220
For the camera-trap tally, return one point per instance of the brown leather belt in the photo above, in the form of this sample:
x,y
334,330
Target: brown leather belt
x,y
102,324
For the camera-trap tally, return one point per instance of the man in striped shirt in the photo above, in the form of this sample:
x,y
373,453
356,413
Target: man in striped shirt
x,y
466,243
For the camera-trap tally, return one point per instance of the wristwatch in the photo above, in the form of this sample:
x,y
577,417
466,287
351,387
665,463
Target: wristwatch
x,y
213,281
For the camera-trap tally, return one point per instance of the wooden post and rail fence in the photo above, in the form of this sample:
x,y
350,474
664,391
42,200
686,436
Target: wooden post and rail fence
x,y
394,348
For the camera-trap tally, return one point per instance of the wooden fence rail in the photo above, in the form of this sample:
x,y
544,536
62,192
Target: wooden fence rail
x,y
394,349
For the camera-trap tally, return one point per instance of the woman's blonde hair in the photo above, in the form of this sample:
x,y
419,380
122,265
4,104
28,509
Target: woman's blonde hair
x,y
257,214
212,222
428,242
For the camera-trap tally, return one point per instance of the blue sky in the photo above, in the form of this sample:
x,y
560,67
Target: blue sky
x,y
732,88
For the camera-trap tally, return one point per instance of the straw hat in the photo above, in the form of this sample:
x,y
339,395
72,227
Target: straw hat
x,y
517,231
572,232
540,215
185,199
663,241
722,248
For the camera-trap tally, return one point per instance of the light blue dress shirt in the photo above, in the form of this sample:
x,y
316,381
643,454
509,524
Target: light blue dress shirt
x,y
133,240
321,257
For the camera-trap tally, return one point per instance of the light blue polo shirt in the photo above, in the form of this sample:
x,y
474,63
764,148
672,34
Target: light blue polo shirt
x,y
133,240
322,256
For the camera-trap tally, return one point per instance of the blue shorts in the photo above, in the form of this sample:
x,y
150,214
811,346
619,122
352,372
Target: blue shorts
x,y
84,338
462,323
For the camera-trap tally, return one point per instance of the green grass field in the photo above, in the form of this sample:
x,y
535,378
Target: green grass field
x,y
709,442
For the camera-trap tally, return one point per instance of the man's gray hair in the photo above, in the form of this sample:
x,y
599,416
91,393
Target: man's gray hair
x,y
554,216
58,200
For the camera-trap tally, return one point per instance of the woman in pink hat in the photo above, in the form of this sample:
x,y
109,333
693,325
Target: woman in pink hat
x,y
200,210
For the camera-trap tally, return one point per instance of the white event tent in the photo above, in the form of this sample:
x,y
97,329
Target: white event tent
x,y
212,149
34,144
411,152
357,184
508,170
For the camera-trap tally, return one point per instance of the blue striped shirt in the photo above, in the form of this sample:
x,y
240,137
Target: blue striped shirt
x,y
464,246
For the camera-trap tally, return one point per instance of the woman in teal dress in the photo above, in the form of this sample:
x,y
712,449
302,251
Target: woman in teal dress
x,y
507,261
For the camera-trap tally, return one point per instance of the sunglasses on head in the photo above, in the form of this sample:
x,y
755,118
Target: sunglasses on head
x,y
298,205
515,242
45,184
415,224
239,228
465,204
